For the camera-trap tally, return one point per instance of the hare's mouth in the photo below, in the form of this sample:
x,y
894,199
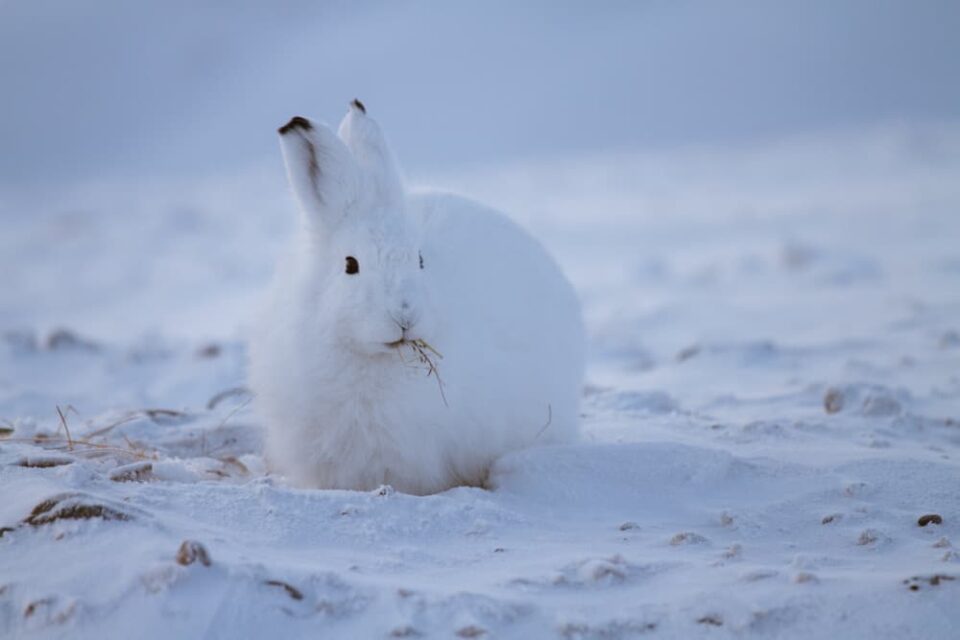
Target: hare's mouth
x,y
425,357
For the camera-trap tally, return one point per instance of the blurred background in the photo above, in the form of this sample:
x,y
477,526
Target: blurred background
x,y
106,89
656,147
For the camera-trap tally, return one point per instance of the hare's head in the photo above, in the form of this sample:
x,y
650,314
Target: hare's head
x,y
364,247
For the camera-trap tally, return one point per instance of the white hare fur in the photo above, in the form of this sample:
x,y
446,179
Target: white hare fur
x,y
346,402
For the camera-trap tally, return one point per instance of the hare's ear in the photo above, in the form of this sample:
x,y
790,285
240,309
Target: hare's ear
x,y
322,172
379,169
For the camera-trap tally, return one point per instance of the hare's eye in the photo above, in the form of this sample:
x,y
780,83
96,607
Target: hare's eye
x,y
421,259
352,265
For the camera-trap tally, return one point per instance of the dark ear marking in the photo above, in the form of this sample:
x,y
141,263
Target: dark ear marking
x,y
359,105
313,166
421,259
352,265
296,122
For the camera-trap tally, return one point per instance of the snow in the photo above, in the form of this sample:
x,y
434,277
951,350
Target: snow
x,y
773,401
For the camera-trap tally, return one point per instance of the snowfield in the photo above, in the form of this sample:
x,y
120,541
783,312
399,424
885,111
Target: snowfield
x,y
772,403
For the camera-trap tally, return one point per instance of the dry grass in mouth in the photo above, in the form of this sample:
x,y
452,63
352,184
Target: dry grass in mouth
x,y
425,354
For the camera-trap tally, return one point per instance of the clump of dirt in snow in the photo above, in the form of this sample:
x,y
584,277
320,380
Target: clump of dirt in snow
x,y
72,506
915,583
930,518
191,551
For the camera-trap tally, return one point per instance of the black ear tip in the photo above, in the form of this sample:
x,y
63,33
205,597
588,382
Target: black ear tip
x,y
296,122
359,105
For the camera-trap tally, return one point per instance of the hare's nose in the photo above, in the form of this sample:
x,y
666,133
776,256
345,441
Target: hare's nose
x,y
406,318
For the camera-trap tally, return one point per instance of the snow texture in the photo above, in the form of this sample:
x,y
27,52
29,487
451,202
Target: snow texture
x,y
772,406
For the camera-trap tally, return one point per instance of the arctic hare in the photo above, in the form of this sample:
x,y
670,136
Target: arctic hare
x,y
411,338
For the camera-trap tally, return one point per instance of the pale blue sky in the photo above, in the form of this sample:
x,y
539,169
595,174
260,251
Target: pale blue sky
x,y
105,89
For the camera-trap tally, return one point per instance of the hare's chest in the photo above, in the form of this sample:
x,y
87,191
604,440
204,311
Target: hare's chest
x,y
377,410
374,439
